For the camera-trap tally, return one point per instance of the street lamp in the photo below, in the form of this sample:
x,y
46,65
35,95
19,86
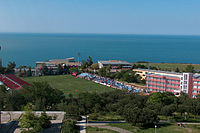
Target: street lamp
x,y
87,119
155,128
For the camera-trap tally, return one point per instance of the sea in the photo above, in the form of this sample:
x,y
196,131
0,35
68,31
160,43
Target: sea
x,y
27,48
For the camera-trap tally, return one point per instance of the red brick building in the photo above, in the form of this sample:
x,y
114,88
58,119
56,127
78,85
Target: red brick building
x,y
162,81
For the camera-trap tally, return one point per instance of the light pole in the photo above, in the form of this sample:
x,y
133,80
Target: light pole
x,y
155,128
87,119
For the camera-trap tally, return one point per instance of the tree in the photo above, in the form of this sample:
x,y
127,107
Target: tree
x,y
2,97
44,120
29,122
189,68
84,64
33,123
108,70
10,68
45,70
42,95
95,66
2,70
29,72
102,72
14,100
168,110
143,117
59,69
161,98
69,126
177,70
119,66
89,61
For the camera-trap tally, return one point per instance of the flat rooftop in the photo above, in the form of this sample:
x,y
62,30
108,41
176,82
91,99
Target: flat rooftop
x,y
114,62
159,71
172,76
58,60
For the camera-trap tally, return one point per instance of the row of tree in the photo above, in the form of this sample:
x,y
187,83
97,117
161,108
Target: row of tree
x,y
9,69
136,109
123,75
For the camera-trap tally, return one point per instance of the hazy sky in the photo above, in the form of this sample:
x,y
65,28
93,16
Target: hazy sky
x,y
101,16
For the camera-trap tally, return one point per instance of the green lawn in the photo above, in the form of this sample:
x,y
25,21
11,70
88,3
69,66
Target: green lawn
x,y
69,84
98,130
164,128
105,117
177,117
171,66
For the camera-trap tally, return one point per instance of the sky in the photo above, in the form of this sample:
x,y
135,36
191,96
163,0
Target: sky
x,y
177,17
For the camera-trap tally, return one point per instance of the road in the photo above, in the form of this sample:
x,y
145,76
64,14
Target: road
x,y
100,124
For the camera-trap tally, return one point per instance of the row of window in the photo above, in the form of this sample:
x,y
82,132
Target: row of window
x,y
194,91
173,85
156,82
161,87
194,86
170,88
168,80
195,82
163,83
193,96
156,90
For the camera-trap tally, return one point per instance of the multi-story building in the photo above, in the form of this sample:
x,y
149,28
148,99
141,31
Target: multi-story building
x,y
196,85
114,64
55,62
162,81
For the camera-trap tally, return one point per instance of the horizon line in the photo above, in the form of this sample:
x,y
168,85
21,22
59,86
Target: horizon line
x,y
99,33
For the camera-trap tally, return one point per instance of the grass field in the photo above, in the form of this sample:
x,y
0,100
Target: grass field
x,y
171,66
177,117
165,128
98,130
105,117
70,85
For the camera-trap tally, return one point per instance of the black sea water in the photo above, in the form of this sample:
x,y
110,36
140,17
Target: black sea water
x,y
26,49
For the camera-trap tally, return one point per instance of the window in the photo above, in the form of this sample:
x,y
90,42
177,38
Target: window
x,y
185,77
185,87
194,86
194,91
195,82
198,87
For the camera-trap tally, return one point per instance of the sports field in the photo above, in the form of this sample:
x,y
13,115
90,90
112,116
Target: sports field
x,y
71,85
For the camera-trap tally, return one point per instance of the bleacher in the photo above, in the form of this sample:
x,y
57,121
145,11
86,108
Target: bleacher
x,y
17,80
12,82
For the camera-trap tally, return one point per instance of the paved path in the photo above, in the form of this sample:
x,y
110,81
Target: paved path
x,y
188,123
100,124
82,124
120,130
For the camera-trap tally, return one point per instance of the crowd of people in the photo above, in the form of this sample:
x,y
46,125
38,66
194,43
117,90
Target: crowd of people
x,y
108,82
